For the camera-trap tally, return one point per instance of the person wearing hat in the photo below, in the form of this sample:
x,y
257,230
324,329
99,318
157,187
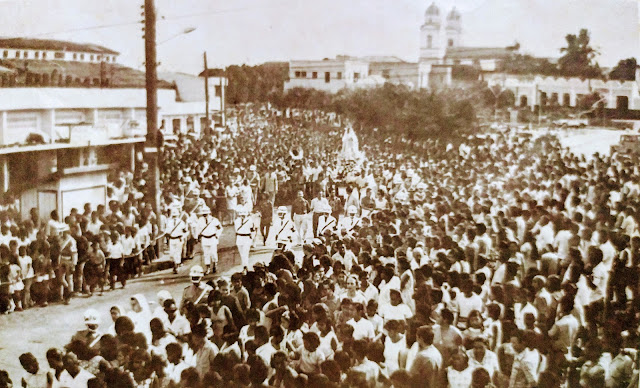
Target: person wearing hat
x,y
89,335
208,232
197,291
283,229
245,232
176,231
348,225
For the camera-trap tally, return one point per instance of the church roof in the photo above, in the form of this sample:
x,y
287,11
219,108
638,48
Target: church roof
x,y
383,58
454,14
433,10
477,52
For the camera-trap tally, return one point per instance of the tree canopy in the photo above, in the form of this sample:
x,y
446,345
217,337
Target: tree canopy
x,y
625,70
579,57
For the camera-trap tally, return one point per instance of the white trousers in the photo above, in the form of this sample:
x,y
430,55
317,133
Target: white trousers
x,y
244,247
209,251
175,250
301,223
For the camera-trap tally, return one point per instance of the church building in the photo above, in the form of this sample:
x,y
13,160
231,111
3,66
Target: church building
x,y
440,50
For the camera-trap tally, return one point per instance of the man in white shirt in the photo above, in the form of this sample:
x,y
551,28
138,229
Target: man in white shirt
x,y
320,207
175,323
74,376
362,328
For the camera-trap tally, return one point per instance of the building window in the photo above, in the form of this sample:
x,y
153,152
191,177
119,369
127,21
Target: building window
x,y
386,74
303,74
75,56
450,42
58,55
37,53
327,77
356,77
314,75
176,125
297,74
17,54
429,41
26,54
99,57
339,75
218,91
82,57
44,55
5,54
91,58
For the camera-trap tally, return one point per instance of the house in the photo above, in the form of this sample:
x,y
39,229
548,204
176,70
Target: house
x,y
70,115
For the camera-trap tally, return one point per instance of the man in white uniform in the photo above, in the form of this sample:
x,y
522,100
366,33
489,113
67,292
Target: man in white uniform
x,y
348,225
283,229
245,231
176,230
209,231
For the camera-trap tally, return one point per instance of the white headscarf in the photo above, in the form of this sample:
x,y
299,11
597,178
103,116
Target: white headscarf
x,y
141,319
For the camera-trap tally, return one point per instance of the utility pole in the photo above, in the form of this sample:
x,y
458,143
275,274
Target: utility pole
x,y
151,145
206,90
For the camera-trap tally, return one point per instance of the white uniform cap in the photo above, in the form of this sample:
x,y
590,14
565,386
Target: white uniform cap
x,y
352,210
282,209
196,271
252,168
241,210
91,317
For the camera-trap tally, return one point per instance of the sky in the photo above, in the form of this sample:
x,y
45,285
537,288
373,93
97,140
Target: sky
x,y
255,31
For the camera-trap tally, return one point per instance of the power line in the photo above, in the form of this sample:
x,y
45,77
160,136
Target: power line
x,y
162,19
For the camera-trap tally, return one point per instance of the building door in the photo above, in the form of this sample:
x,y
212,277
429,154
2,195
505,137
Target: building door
x,y
327,77
47,202
622,104
523,101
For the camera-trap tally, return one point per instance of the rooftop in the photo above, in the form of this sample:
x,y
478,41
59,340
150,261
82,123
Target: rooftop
x,y
78,74
55,45
477,52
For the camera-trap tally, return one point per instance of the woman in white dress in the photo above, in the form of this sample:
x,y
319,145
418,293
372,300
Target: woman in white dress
x,y
141,315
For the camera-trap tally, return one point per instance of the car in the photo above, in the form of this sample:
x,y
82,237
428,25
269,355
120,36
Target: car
x,y
571,123
628,145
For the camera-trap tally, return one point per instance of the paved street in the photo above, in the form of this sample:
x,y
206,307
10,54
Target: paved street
x,y
36,330
588,141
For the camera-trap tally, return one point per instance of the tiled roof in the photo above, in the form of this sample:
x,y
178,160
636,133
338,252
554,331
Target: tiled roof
x,y
56,45
477,52
117,75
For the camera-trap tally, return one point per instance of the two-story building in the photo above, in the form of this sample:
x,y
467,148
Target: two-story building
x,y
68,120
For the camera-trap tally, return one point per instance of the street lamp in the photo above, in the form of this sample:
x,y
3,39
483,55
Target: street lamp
x,y
186,31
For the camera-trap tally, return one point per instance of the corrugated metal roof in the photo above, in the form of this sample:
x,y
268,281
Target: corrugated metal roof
x,y
55,45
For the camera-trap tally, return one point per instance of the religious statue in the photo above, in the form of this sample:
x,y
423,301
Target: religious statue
x,y
350,149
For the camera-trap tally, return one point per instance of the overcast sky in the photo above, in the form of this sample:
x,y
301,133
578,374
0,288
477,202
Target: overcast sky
x,y
255,31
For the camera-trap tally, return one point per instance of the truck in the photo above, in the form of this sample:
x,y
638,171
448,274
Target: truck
x,y
629,145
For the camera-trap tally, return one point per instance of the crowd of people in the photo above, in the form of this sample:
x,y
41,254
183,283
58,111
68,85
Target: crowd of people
x,y
504,261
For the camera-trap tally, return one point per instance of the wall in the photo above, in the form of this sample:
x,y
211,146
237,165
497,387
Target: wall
x,y
50,55
532,86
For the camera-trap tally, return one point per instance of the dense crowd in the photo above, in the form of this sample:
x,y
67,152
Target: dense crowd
x,y
503,261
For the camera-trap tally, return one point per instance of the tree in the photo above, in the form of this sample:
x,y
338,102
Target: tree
x,y
625,70
579,56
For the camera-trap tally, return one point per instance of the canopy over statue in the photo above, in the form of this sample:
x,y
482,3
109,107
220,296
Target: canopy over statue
x,y
350,149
